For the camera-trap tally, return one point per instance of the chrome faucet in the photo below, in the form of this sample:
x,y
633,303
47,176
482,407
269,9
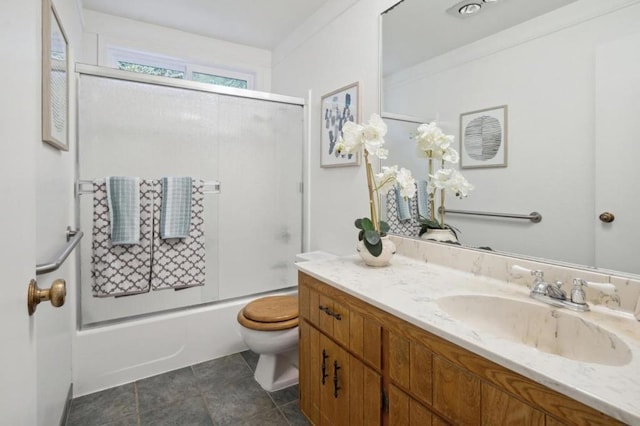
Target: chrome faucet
x,y
550,293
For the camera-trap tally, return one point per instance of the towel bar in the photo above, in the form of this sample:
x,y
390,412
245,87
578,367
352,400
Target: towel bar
x,y
210,187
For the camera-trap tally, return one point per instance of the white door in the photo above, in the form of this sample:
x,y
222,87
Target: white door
x,y
617,154
19,137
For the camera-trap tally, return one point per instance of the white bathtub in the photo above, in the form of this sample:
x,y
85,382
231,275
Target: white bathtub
x,y
109,356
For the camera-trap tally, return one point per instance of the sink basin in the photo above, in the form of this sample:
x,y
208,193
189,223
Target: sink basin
x,y
545,328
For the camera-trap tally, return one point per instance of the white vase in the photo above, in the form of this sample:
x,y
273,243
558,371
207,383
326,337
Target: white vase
x,y
388,250
441,235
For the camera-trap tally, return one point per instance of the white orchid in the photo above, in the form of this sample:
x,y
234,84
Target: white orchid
x,y
431,141
433,144
450,180
369,136
391,176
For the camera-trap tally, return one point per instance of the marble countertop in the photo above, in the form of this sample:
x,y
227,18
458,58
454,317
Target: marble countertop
x,y
409,289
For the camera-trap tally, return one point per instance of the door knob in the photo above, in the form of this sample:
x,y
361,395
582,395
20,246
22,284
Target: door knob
x,y
607,217
56,294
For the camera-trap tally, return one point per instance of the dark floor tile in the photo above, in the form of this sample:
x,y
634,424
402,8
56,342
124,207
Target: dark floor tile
x,y
185,412
236,401
105,407
222,370
166,388
127,421
293,414
285,395
267,418
251,358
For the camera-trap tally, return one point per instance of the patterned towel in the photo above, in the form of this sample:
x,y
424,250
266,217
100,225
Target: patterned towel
x,y
422,196
403,206
119,270
123,197
175,216
179,263
409,228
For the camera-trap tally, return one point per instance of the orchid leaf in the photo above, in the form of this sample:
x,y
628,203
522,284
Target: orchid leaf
x,y
384,227
372,237
374,249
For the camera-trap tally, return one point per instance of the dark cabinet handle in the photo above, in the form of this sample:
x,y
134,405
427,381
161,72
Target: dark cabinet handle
x,y
329,312
336,367
324,366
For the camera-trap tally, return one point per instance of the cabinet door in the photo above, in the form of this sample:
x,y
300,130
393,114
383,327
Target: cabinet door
x,y
334,394
456,393
365,394
500,408
309,369
406,411
410,366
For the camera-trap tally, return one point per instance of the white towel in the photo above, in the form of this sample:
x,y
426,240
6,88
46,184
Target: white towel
x,y
179,263
119,270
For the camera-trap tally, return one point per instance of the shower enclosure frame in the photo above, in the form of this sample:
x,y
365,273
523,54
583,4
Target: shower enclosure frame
x,y
98,71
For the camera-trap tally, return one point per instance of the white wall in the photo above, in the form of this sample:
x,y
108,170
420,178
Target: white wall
x,y
55,211
548,84
103,31
321,58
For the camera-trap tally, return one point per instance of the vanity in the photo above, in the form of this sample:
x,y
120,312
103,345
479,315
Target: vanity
x,y
422,343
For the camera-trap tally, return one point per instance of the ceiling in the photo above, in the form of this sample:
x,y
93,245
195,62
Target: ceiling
x,y
258,23
417,30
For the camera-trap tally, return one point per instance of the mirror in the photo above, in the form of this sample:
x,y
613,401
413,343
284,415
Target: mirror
x,y
568,71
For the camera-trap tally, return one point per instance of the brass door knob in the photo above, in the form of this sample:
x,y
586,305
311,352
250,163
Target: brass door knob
x,y
607,217
56,294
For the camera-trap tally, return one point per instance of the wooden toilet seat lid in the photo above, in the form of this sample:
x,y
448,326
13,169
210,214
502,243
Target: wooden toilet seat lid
x,y
266,326
272,309
270,313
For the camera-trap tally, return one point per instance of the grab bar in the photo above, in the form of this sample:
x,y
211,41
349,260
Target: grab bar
x,y
73,238
534,217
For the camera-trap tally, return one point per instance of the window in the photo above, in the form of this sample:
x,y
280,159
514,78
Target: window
x,y
218,79
150,69
129,60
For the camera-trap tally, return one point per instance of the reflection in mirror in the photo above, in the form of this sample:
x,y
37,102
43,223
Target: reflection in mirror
x,y
569,73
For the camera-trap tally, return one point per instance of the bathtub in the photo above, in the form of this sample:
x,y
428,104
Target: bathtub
x,y
112,355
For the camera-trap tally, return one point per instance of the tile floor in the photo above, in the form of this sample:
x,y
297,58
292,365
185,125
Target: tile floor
x,y
217,392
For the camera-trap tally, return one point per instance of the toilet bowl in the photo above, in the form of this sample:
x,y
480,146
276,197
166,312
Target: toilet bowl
x,y
269,327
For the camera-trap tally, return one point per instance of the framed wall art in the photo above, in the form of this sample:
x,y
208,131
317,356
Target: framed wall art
x,y
55,85
337,108
483,138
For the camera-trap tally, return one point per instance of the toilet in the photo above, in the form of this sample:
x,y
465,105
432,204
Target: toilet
x,y
269,327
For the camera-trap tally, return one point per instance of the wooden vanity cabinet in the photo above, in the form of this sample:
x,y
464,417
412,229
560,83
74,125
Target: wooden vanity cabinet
x,y
340,360
400,374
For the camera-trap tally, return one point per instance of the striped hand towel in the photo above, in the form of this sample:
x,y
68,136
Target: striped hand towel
x,y
123,197
175,217
423,199
403,206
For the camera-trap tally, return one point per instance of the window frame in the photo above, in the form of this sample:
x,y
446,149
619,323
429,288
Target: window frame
x,y
117,54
